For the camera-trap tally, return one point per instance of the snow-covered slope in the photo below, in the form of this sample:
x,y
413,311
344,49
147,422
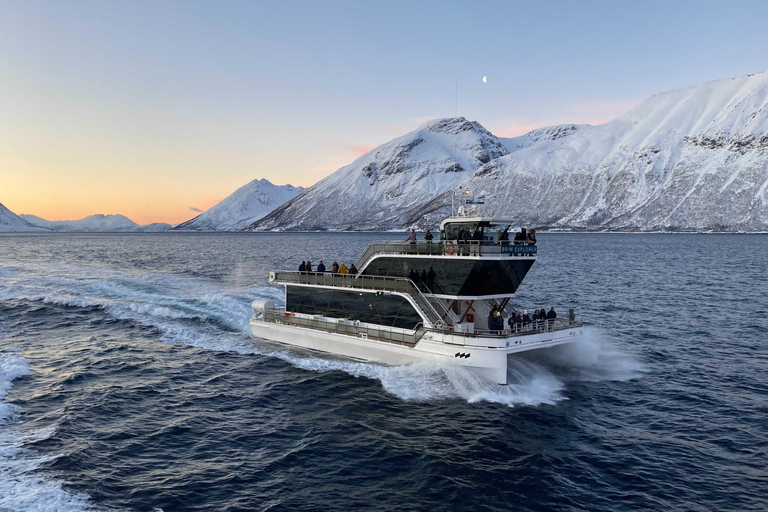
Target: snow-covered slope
x,y
690,159
155,227
92,223
378,190
243,207
9,221
540,135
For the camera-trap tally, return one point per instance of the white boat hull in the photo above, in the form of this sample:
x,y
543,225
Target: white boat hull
x,y
486,357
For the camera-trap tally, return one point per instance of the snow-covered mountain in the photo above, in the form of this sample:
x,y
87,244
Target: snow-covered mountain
x,y
377,191
689,159
243,207
9,221
95,223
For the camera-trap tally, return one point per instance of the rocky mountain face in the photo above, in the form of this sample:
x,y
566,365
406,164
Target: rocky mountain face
x,y
243,207
9,221
693,159
380,189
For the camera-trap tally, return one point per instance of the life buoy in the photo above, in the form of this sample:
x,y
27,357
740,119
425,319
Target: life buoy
x,y
450,248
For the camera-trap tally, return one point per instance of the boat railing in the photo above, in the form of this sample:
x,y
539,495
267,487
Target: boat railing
x,y
358,329
449,248
535,327
405,336
365,282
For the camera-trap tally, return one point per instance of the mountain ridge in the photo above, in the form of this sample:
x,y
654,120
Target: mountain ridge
x,y
691,159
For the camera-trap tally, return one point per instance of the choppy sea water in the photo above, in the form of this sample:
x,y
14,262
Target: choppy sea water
x,y
128,382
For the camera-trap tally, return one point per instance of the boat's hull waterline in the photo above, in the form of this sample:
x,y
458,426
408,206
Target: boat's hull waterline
x,y
489,362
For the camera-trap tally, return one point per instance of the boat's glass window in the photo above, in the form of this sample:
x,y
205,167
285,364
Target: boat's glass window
x,y
496,232
455,276
452,229
389,310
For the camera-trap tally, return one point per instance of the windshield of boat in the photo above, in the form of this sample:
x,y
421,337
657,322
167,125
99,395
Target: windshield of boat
x,y
488,232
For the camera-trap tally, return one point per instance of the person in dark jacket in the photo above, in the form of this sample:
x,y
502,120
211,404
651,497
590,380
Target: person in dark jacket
x,y
467,240
535,316
321,268
526,318
428,237
551,314
412,275
431,275
460,236
532,237
353,270
335,268
492,319
303,266
309,267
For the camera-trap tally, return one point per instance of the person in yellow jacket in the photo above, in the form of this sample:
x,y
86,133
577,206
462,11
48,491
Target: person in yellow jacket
x,y
343,269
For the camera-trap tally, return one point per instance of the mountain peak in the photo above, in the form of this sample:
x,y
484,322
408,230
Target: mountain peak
x,y
453,126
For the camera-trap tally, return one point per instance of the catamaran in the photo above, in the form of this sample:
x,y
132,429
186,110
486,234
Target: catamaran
x,y
459,314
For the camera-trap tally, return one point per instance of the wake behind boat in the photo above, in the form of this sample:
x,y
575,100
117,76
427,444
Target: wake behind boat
x,y
448,301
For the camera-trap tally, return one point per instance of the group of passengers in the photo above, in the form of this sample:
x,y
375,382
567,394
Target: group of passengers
x,y
306,268
520,321
467,236
424,281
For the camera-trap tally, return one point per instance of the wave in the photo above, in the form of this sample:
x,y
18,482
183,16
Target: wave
x,y
22,488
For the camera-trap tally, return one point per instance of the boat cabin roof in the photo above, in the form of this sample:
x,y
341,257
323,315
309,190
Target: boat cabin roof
x,y
478,219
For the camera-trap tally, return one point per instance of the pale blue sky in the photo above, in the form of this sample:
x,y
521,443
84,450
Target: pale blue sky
x,y
130,102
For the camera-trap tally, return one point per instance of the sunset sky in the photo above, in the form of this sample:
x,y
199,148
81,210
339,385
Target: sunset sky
x,y
153,109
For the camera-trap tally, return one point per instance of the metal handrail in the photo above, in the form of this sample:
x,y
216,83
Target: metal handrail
x,y
278,315
448,248
365,282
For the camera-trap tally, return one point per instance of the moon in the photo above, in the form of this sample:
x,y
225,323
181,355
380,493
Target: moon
x,y
484,79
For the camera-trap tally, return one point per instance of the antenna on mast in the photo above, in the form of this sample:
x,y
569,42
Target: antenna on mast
x,y
456,115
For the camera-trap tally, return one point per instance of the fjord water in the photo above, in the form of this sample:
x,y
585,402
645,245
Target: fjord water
x,y
129,382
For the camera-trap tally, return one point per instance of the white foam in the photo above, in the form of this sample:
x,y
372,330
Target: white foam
x,y
593,358
22,487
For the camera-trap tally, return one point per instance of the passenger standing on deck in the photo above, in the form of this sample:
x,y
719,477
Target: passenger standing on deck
x,y
353,270
551,314
467,240
428,237
309,267
532,237
492,319
335,268
321,268
412,236
526,319
303,267
441,236
431,278
343,269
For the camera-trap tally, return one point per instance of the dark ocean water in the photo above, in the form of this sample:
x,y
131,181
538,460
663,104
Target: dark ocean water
x,y
130,383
